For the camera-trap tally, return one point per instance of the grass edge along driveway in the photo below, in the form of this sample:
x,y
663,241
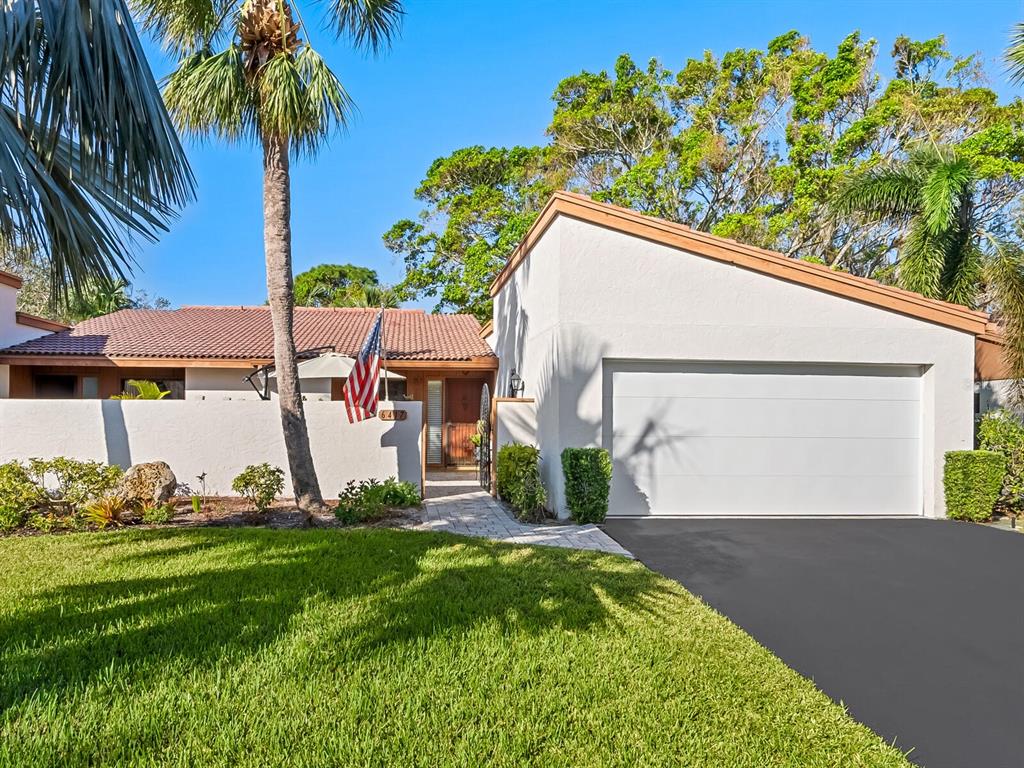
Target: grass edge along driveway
x,y
381,647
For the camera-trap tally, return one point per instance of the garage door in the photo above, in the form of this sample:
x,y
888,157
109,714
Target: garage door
x,y
753,439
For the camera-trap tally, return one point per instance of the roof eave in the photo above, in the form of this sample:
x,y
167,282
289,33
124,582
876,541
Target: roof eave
x,y
773,264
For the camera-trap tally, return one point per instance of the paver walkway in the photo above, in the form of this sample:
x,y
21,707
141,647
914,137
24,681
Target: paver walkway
x,y
455,503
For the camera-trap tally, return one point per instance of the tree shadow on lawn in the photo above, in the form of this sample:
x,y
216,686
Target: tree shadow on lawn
x,y
205,597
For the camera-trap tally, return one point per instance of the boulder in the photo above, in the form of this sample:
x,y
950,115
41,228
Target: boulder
x,y
149,483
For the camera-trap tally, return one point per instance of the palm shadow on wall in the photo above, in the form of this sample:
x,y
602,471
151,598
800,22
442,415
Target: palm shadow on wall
x,y
576,360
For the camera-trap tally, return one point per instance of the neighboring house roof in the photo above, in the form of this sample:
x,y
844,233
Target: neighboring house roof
x,y
245,333
776,265
989,358
8,278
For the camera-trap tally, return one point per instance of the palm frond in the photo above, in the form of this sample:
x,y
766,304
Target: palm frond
x,y
209,95
185,26
962,271
943,193
1004,273
88,154
922,261
371,24
299,97
889,192
1014,56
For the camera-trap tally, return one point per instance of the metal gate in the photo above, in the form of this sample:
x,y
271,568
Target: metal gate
x,y
484,430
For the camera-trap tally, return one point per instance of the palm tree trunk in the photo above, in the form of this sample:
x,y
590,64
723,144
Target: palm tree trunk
x,y
277,246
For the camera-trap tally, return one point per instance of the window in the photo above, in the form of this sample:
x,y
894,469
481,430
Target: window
x,y
90,387
53,387
395,389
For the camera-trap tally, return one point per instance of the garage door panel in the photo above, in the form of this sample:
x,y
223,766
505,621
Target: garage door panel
x,y
896,383
754,439
739,457
691,416
824,495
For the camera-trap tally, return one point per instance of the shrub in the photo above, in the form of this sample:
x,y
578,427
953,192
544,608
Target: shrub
x,y
77,482
972,480
519,483
19,495
588,478
105,512
156,513
260,484
371,499
1002,432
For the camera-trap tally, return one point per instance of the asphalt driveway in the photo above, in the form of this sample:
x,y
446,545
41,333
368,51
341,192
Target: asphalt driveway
x,y
917,626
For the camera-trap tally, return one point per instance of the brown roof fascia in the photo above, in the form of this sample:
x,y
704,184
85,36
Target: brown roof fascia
x,y
6,278
748,257
42,323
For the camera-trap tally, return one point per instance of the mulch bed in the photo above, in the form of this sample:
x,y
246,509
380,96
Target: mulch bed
x,y
233,511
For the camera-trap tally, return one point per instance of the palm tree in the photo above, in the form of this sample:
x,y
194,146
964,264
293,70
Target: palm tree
x,y
946,252
362,295
932,195
245,75
1014,56
89,159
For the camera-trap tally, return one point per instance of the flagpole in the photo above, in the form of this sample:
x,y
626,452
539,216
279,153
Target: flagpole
x,y
384,351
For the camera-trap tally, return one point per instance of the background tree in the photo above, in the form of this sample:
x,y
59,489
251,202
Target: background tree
x,y
324,284
245,75
752,145
363,295
479,204
89,159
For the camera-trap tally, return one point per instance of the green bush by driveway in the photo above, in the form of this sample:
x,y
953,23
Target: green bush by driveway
x,y
255,647
972,481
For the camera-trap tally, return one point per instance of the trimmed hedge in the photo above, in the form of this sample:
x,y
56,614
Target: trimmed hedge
x,y
1003,432
519,483
588,480
973,481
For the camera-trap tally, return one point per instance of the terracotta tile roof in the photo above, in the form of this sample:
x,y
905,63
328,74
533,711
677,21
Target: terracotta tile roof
x,y
244,333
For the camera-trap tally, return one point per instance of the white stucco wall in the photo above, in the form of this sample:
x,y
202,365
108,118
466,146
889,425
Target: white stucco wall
x,y
219,438
587,294
994,394
11,331
525,339
515,422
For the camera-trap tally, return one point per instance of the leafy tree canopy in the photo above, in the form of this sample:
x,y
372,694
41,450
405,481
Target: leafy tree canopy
x,y
478,205
753,145
95,297
324,284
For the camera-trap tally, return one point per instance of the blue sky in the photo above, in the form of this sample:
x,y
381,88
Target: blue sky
x,y
468,73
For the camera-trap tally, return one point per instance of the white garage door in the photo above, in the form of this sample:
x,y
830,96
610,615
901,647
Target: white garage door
x,y
756,439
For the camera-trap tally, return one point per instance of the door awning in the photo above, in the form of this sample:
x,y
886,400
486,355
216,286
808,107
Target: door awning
x,y
333,365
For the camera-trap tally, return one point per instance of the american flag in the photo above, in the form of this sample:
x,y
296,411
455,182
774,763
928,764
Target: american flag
x,y
361,394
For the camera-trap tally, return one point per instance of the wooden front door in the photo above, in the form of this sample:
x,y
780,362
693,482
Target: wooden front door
x,y
462,406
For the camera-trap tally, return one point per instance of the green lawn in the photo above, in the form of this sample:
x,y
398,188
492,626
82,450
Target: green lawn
x,y
376,647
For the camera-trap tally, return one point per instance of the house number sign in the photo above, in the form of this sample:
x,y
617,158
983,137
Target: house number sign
x,y
393,415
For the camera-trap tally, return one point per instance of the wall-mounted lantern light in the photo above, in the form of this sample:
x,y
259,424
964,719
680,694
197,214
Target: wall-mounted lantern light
x,y
515,384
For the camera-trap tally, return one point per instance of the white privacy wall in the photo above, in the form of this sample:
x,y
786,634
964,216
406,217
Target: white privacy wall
x,y
587,295
219,438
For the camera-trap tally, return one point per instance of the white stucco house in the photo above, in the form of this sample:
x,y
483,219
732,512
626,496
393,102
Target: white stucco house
x,y
727,380
17,327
